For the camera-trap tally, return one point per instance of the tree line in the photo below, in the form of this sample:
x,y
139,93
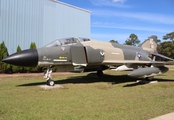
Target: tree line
x,y
166,48
7,68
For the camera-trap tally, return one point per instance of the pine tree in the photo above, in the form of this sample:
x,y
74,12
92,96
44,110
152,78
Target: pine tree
x,y
32,45
169,36
33,69
1,54
113,41
4,67
18,48
132,40
17,69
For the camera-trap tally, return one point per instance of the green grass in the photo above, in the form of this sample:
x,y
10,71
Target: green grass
x,y
86,97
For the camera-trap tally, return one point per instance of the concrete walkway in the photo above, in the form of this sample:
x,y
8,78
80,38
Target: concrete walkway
x,y
46,87
169,116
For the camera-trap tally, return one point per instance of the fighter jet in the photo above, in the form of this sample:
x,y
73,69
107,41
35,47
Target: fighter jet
x,y
83,54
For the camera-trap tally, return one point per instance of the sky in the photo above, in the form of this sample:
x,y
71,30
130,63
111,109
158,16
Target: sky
x,y
117,19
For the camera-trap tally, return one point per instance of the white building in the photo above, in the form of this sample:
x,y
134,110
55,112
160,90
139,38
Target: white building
x,y
40,21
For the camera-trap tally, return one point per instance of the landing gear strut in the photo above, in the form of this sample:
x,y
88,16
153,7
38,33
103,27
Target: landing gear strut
x,y
149,78
47,75
99,73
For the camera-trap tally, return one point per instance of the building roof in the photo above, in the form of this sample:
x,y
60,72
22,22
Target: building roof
x,y
56,1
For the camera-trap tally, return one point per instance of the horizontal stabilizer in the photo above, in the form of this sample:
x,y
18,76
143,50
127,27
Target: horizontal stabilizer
x,y
162,56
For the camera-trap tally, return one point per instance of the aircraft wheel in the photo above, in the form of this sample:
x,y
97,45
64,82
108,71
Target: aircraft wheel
x,y
99,73
50,82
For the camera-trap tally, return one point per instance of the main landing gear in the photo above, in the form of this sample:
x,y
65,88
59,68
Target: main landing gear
x,y
99,73
47,75
149,78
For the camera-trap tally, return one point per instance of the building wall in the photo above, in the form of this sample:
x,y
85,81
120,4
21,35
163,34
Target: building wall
x,y
40,21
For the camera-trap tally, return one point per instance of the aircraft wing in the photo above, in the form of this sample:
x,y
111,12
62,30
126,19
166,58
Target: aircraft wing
x,y
155,63
125,61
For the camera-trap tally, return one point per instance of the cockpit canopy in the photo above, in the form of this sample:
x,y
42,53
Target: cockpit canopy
x,y
67,41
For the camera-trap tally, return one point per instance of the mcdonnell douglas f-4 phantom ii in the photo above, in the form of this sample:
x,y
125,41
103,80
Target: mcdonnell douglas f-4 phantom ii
x,y
77,54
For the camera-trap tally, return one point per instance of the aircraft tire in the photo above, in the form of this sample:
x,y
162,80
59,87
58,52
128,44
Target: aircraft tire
x,y
100,73
50,82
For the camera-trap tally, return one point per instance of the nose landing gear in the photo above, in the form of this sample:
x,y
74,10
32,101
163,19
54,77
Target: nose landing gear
x,y
47,75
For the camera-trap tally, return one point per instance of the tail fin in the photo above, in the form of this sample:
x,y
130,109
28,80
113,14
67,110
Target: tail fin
x,y
150,44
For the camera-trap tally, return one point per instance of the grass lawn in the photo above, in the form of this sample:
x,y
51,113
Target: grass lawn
x,y
85,97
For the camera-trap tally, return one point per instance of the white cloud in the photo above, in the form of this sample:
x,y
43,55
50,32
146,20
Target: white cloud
x,y
121,37
113,3
150,17
110,36
128,27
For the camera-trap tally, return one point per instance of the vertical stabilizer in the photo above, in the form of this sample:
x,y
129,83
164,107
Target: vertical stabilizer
x,y
150,44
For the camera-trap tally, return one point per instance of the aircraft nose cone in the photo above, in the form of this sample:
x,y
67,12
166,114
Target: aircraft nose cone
x,y
26,58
